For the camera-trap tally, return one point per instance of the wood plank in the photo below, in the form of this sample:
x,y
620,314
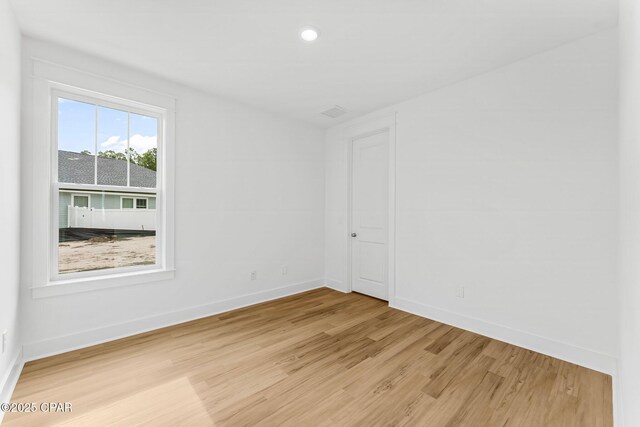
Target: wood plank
x,y
317,358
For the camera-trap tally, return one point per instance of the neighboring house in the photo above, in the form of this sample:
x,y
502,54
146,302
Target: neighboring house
x,y
104,210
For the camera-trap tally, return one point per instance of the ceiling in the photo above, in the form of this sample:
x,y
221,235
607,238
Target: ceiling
x,y
371,53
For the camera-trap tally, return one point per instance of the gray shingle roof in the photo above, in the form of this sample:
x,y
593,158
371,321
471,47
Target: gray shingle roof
x,y
79,169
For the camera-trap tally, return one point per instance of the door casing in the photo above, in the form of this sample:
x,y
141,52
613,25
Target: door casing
x,y
360,130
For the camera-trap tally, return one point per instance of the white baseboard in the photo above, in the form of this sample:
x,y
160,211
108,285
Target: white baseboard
x,y
10,380
567,352
63,344
336,285
580,356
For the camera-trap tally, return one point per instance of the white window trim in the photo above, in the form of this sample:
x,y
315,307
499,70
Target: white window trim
x,y
87,195
111,189
48,79
109,102
99,192
135,201
146,203
127,197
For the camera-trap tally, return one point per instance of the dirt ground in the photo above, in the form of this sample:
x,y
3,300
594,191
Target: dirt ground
x,y
102,252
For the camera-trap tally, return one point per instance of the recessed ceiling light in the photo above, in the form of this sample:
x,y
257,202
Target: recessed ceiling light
x,y
309,34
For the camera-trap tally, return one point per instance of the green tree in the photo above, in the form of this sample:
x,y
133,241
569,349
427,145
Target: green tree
x,y
148,159
133,156
110,154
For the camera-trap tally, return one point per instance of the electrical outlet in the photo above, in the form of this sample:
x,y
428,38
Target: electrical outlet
x,y
4,341
254,275
285,270
460,291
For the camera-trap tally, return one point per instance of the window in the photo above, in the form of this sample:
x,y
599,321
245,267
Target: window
x,y
80,201
127,203
141,203
76,111
110,151
134,202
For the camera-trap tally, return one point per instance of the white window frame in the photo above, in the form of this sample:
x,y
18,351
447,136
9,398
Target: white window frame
x,y
146,203
52,81
87,195
123,105
135,201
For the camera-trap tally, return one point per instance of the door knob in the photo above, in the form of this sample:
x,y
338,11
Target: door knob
x,y
354,235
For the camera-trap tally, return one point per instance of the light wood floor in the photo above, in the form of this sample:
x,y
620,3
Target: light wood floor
x,y
318,358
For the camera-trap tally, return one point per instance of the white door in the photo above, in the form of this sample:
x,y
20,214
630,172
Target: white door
x,y
369,228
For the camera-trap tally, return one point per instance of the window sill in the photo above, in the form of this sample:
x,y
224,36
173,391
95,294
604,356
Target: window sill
x,y
87,284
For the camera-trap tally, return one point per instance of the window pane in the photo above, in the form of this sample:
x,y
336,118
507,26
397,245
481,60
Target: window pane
x,y
76,141
81,201
144,150
113,128
104,236
141,203
127,203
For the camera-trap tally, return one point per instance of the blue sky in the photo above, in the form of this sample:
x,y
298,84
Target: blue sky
x,y
77,127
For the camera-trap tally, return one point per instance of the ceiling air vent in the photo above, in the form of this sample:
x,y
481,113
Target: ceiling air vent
x,y
334,112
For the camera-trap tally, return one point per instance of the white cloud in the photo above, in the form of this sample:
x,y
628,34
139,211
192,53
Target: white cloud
x,y
139,143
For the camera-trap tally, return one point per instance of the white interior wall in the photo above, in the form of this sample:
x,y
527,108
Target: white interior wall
x,y
249,196
629,369
9,188
506,185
